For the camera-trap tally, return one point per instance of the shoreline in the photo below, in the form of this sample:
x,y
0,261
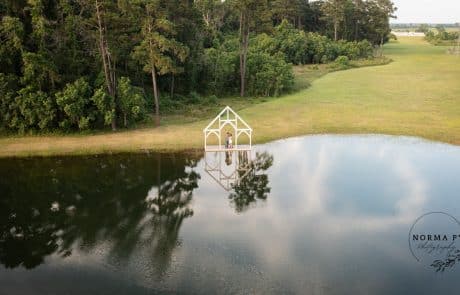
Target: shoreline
x,y
414,95
194,149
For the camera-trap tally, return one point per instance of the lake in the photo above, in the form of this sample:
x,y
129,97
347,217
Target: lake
x,y
317,214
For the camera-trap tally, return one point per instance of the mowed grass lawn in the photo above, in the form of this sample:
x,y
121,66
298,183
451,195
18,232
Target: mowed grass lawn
x,y
417,94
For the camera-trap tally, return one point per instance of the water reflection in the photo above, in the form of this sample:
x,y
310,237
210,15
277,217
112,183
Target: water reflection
x,y
329,215
252,184
245,178
57,205
228,173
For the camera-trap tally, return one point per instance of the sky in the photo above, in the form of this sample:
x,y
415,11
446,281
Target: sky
x,y
427,11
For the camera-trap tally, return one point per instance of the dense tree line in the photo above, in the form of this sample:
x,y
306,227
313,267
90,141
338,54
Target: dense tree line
x,y
85,64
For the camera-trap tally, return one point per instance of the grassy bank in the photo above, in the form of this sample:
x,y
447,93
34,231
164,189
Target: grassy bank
x,y
417,94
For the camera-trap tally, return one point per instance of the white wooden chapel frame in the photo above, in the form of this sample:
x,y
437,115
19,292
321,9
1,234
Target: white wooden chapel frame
x,y
227,117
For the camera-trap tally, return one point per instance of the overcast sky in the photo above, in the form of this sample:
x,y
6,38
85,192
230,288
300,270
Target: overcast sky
x,y
427,11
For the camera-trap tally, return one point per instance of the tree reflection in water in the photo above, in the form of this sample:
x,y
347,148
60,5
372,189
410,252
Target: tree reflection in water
x,y
56,205
252,185
170,206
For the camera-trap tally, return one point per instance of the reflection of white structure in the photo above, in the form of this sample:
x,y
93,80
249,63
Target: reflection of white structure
x,y
231,171
227,117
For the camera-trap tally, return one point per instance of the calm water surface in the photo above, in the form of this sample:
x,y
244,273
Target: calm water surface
x,y
310,215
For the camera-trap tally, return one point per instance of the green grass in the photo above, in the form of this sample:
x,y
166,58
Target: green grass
x,y
416,94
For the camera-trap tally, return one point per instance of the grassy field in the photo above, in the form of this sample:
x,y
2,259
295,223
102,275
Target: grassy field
x,y
417,94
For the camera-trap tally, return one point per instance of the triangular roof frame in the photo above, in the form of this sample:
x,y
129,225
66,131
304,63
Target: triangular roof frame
x,y
227,117
227,180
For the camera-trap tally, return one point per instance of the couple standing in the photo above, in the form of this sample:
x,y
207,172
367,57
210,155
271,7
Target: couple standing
x,y
228,145
228,141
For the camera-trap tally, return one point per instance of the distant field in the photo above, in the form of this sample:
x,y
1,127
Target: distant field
x,y
417,94
413,29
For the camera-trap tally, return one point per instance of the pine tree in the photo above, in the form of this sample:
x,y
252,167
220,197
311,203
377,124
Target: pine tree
x,y
158,51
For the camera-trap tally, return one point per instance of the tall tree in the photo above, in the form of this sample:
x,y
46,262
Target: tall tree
x,y
159,51
358,16
253,14
379,13
290,10
104,50
212,12
334,11
386,10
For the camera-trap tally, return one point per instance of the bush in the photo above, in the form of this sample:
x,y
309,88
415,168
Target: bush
x,y
194,98
131,101
441,36
211,100
365,49
222,64
268,75
299,47
342,62
105,105
32,110
75,105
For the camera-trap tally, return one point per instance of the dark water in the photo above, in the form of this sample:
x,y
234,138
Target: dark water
x,y
312,215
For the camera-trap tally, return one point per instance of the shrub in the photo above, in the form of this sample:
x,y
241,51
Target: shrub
x,y
211,100
342,62
105,105
303,48
32,109
74,103
221,63
268,75
131,101
194,98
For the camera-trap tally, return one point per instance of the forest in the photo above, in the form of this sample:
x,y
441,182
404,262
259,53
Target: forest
x,y
69,65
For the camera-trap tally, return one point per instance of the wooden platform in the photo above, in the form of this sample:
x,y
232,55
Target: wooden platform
x,y
217,149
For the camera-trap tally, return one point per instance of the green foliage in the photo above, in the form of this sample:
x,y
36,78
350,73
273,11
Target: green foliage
x,y
7,97
194,98
441,36
75,104
11,37
131,102
105,105
211,100
304,48
268,75
222,65
38,71
341,62
31,110
186,51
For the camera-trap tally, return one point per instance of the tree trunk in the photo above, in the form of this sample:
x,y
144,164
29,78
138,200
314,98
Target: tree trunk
x,y
244,43
155,95
109,72
356,31
336,25
172,86
154,84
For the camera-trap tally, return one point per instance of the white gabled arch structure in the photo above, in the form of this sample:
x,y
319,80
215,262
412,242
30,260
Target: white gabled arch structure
x,y
227,117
